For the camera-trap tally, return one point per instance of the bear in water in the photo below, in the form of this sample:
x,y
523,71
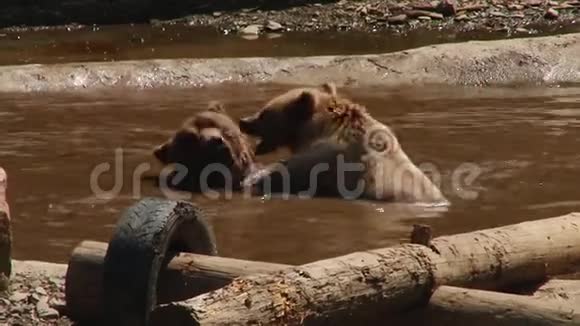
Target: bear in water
x,y
338,149
209,151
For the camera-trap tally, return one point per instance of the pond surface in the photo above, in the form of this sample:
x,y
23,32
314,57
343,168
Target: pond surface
x,y
137,42
523,144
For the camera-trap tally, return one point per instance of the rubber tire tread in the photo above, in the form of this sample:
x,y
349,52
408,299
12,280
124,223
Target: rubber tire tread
x,y
141,245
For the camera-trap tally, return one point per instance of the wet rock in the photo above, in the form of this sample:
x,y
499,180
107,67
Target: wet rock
x,y
461,18
497,14
534,3
217,14
551,14
17,309
522,30
251,30
397,20
34,297
18,297
553,3
273,26
424,18
564,6
40,290
56,281
419,13
447,8
57,304
515,7
363,10
425,6
44,311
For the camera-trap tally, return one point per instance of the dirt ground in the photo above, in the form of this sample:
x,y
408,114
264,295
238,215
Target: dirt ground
x,y
522,16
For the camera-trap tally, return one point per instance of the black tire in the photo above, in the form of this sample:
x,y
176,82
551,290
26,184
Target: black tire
x,y
145,239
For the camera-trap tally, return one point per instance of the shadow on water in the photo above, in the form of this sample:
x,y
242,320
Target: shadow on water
x,y
137,42
524,142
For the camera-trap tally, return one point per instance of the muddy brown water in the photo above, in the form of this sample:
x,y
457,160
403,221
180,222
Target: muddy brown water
x,y
524,141
136,42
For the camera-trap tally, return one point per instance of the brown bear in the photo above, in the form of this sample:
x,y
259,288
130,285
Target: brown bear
x,y
210,145
338,149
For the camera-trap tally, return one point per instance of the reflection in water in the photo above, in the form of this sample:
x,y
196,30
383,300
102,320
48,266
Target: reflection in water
x,y
50,143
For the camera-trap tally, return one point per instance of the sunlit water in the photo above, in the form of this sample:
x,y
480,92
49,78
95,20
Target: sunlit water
x,y
522,141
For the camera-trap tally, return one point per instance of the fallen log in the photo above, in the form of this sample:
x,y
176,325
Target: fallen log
x,y
564,291
459,306
185,276
188,275
376,282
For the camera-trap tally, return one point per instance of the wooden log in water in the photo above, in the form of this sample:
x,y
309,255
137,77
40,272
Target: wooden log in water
x,y
459,306
186,275
5,234
374,282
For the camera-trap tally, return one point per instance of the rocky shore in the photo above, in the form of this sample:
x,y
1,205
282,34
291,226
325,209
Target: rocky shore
x,y
35,296
511,17
522,16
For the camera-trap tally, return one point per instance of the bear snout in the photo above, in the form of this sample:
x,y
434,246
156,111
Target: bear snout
x,y
160,153
248,125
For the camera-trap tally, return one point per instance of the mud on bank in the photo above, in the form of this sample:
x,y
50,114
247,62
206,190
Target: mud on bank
x,y
545,60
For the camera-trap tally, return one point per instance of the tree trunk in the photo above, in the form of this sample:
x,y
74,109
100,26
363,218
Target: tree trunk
x,y
186,276
374,282
458,306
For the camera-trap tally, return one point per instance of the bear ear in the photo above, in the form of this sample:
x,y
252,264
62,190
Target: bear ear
x,y
329,88
304,107
216,106
185,137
